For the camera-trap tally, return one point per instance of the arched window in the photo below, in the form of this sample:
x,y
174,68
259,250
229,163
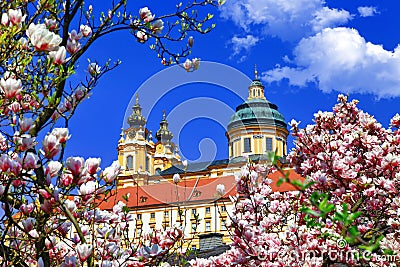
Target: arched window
x,y
129,162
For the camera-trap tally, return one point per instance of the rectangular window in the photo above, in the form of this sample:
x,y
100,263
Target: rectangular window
x,y
208,226
152,215
194,227
129,162
223,208
194,211
166,213
139,216
223,225
268,143
284,148
194,247
208,209
147,164
247,145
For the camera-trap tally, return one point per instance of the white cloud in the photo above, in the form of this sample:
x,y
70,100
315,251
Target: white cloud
x,y
243,43
367,11
340,59
286,19
326,17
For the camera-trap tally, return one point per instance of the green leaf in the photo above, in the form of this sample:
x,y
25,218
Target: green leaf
x,y
372,245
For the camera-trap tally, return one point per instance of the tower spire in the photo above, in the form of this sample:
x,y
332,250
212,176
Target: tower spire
x,y
136,119
256,88
163,134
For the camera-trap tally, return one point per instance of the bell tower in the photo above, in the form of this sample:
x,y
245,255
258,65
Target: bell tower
x,y
166,152
135,149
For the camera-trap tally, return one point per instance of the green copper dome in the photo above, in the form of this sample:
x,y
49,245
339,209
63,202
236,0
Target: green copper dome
x,y
257,111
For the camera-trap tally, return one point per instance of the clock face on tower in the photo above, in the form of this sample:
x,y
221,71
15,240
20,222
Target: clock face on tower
x,y
131,134
159,148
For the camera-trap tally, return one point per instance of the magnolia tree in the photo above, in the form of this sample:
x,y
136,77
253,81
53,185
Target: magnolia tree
x,y
345,213
50,214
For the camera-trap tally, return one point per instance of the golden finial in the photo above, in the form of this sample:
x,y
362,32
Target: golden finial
x,y
164,116
137,98
255,72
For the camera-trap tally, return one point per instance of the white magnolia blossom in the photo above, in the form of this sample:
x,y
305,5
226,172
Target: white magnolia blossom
x,y
43,39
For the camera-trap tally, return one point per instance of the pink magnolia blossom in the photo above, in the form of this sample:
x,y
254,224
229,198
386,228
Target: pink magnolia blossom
x,y
10,87
110,173
62,134
145,14
30,161
46,206
53,167
70,205
29,223
58,56
92,165
5,163
75,165
43,39
51,146
84,251
73,35
26,209
16,16
85,30
176,178
220,189
70,261
187,65
51,24
196,63
66,179
88,188
26,142
25,124
73,46
15,107
395,121
157,26
44,193
141,36
80,93
94,69
4,19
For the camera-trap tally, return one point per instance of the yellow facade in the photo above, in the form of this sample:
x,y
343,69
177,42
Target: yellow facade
x,y
255,129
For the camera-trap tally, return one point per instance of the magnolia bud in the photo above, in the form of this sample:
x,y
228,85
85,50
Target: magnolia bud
x,y
190,41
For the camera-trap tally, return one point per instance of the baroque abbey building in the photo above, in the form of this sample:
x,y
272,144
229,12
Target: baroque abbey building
x,y
149,164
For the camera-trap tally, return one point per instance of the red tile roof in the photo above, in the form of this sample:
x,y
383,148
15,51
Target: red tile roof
x,y
193,190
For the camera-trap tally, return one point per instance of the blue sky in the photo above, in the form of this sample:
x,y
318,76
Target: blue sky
x,y
306,51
